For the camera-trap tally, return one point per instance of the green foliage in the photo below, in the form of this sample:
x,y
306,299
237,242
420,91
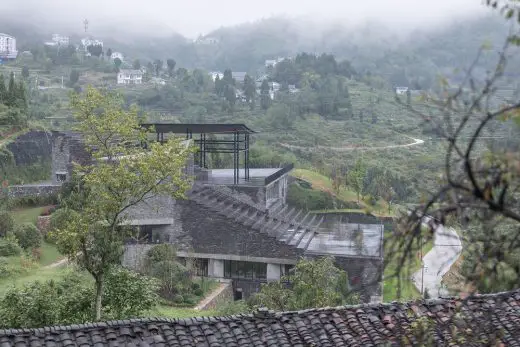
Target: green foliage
x,y
28,236
313,283
9,247
136,64
124,175
6,222
73,77
44,304
309,199
171,66
61,218
128,294
117,64
356,176
162,252
174,278
25,72
233,308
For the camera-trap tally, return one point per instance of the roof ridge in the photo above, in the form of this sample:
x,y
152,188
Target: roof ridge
x,y
261,313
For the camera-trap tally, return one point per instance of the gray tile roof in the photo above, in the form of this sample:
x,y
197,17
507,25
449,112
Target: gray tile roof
x,y
480,321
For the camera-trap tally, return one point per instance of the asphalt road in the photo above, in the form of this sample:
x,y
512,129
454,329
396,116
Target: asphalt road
x,y
446,250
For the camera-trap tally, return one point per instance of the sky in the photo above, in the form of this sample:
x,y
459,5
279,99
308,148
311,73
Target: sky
x,y
194,17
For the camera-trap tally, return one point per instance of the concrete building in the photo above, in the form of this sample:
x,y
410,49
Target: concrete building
x,y
236,224
401,90
7,47
125,76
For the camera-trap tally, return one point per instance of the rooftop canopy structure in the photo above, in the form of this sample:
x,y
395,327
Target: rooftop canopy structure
x,y
237,143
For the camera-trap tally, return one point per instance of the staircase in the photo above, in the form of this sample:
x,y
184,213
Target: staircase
x,y
289,225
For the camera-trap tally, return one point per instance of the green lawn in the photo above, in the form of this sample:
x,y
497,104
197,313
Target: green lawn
x,y
412,264
49,254
27,215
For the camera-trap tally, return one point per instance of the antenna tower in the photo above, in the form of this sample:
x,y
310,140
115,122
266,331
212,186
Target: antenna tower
x,y
85,24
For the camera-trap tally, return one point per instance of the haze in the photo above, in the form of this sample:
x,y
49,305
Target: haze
x,y
195,17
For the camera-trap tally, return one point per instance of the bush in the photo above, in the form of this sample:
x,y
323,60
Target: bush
x,y
198,292
159,253
9,247
59,220
174,278
28,236
195,286
190,300
178,299
6,223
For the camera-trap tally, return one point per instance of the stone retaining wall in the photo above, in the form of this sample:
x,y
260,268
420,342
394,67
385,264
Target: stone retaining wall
x,y
224,296
22,191
43,224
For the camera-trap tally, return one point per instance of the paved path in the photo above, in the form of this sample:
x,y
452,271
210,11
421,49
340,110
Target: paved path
x,y
58,263
446,250
352,148
202,305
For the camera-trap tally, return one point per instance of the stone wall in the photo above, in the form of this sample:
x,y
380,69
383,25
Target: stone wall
x,y
34,191
224,296
31,148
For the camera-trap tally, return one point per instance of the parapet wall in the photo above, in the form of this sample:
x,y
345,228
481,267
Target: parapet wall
x,y
35,191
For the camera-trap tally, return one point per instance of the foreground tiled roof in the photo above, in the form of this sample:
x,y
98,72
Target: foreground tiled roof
x,y
487,320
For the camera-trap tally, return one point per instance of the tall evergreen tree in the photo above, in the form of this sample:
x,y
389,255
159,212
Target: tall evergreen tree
x,y
265,98
12,91
3,90
249,89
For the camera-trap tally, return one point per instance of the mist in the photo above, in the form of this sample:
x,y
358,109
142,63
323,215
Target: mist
x,y
195,17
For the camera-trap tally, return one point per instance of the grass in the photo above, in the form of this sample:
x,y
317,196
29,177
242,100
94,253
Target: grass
x,y
411,265
27,215
178,312
49,254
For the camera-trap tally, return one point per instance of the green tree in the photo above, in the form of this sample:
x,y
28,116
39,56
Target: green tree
x,y
117,63
109,52
265,97
73,77
12,91
157,65
28,236
25,72
171,66
313,283
250,90
122,177
6,223
355,177
3,90
137,64
218,86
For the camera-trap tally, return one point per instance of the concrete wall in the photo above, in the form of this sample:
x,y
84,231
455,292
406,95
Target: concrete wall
x,y
365,276
216,268
273,272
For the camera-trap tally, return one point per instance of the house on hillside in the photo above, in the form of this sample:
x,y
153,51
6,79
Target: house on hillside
x,y
239,76
128,76
8,49
480,320
236,224
58,40
116,55
214,75
206,40
401,90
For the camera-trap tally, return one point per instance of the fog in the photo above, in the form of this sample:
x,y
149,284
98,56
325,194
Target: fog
x,y
194,17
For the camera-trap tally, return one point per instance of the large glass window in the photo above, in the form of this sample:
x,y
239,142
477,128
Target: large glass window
x,y
244,270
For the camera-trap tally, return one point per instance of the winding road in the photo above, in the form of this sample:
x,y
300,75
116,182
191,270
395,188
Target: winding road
x,y
352,148
446,250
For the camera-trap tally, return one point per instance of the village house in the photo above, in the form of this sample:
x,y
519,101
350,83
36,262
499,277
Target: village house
x,y
58,40
401,90
116,55
235,223
127,76
7,47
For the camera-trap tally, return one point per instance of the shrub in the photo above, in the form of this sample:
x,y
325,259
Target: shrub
x,y
178,299
59,220
191,301
9,247
174,278
6,223
198,292
159,253
36,253
195,286
28,236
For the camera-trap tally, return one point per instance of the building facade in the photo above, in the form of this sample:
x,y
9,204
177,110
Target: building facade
x,y
125,76
8,47
242,230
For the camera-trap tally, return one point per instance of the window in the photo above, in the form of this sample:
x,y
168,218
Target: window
x,y
61,177
244,270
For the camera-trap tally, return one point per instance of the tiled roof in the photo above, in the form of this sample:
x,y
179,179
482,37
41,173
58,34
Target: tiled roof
x,y
486,320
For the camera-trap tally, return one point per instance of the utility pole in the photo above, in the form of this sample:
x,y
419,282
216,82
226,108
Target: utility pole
x,y
85,24
61,82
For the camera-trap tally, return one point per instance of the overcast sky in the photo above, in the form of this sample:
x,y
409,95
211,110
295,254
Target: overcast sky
x,y
192,17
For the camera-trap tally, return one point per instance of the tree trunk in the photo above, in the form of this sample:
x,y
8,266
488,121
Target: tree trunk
x,y
100,283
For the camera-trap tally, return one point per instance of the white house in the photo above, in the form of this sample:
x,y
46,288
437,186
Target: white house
x,y
90,42
208,40
273,62
214,75
117,55
130,77
401,90
60,39
7,47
